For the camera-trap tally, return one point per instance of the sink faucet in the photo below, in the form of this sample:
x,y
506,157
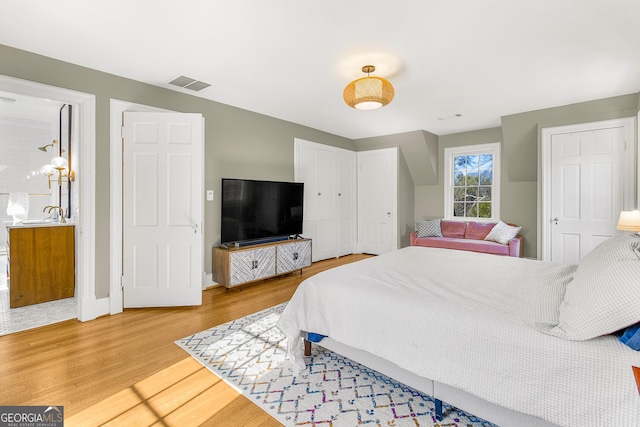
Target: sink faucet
x,y
60,212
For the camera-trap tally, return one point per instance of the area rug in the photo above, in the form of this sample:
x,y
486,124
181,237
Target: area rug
x,y
250,355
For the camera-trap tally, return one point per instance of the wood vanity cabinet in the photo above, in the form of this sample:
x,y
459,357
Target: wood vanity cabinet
x,y
41,264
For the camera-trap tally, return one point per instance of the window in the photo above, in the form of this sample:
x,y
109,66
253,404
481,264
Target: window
x,y
472,182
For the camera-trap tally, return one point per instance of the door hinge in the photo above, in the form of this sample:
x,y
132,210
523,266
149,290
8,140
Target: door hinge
x,y
121,282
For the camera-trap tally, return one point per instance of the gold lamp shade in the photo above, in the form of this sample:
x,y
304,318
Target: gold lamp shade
x,y
368,93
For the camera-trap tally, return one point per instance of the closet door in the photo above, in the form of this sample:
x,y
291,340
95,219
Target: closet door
x,y
328,174
377,200
327,225
346,203
306,170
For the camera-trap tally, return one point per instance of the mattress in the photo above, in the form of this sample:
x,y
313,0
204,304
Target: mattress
x,y
467,320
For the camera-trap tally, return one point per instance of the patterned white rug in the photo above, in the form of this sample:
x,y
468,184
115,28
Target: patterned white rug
x,y
250,354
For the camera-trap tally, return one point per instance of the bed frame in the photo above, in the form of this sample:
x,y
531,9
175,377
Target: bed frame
x,y
440,392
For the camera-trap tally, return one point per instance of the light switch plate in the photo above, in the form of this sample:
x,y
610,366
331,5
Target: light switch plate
x,y
209,195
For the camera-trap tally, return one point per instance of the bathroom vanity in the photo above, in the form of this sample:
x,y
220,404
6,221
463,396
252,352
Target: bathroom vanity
x,y
40,262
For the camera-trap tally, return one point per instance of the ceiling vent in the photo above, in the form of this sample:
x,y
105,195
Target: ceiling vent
x,y
450,117
189,83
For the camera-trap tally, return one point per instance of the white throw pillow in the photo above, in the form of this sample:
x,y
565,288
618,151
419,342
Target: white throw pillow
x,y
604,295
502,233
430,228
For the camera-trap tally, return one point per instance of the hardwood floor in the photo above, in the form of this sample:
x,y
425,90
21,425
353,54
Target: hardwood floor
x,y
125,369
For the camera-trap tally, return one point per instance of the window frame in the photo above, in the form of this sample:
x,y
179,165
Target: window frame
x,y
493,148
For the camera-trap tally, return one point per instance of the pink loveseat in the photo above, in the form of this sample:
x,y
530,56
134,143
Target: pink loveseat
x,y
469,236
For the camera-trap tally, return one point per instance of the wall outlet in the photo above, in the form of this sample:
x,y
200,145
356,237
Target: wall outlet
x,y
209,195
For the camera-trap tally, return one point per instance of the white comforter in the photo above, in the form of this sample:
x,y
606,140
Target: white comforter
x,y
466,320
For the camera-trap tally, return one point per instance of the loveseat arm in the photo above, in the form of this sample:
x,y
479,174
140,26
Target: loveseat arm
x,y
412,238
516,245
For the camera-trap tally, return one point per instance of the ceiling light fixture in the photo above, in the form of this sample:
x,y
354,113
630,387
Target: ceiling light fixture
x,y
368,93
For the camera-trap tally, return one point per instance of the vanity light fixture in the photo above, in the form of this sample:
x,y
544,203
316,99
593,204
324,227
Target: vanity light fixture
x,y
368,93
60,165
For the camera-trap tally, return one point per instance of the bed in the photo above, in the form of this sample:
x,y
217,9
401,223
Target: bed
x,y
516,341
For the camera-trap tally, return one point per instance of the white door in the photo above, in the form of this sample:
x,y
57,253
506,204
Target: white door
x,y
586,184
377,200
346,203
162,209
326,240
306,171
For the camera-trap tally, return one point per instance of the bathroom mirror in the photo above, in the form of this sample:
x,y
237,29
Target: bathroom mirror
x,y
64,147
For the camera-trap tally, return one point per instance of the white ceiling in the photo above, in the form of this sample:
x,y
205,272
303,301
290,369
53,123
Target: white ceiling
x,y
291,59
29,107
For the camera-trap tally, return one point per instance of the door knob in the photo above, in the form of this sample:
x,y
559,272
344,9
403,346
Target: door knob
x,y
195,228
555,220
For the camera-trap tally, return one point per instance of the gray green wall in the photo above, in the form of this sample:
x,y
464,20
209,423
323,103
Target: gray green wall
x,y
238,143
519,199
406,201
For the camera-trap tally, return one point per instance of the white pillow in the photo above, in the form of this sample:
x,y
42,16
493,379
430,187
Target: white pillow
x,y
604,295
502,233
430,228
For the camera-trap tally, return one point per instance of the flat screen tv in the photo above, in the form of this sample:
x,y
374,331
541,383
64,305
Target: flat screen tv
x,y
260,210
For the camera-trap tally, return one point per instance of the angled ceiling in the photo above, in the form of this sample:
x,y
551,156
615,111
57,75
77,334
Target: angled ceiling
x,y
291,59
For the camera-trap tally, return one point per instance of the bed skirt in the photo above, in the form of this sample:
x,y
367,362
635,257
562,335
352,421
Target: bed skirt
x,y
453,396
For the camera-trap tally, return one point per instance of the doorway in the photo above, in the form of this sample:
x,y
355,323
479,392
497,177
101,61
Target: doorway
x,y
83,164
118,109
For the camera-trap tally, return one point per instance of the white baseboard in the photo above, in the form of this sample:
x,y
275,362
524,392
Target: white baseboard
x,y
207,281
92,308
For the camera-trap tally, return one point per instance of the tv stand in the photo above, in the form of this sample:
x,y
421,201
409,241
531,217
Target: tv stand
x,y
237,266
